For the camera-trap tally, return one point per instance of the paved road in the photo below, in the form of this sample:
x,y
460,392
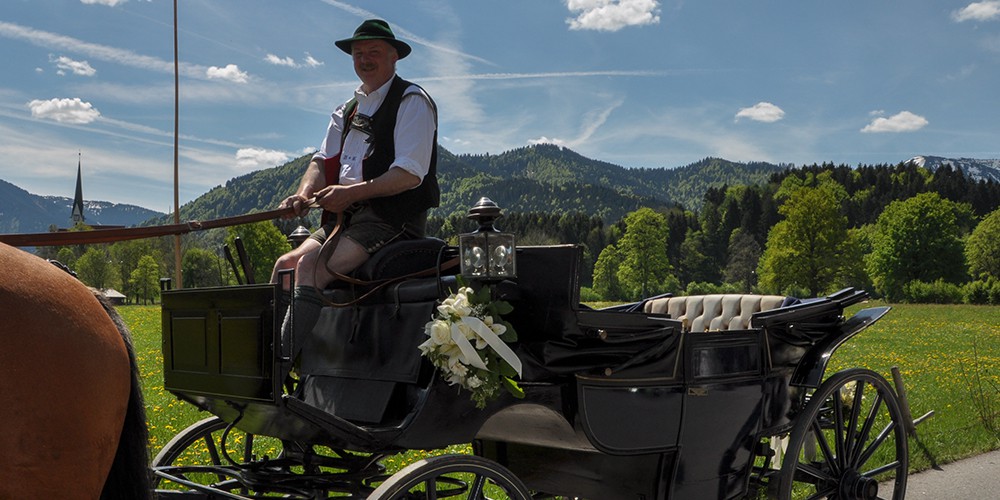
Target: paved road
x,y
975,478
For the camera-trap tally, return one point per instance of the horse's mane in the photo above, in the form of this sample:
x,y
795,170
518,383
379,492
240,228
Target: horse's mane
x,y
129,475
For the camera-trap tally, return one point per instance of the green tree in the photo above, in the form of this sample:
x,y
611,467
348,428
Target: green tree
x,y
201,268
805,249
858,245
917,239
982,249
264,244
145,280
67,256
744,255
694,266
125,257
645,267
606,274
94,268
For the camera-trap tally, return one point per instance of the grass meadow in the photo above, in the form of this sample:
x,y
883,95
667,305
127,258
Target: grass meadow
x,y
936,347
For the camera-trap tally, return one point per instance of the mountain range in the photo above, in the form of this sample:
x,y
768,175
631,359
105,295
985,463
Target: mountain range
x,y
988,170
541,178
23,212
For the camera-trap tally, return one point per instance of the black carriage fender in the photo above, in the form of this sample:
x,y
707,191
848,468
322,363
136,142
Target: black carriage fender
x,y
812,366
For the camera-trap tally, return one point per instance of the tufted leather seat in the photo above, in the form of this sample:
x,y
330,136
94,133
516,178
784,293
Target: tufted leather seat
x,y
716,312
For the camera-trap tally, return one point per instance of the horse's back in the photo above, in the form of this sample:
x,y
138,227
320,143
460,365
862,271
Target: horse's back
x,y
64,382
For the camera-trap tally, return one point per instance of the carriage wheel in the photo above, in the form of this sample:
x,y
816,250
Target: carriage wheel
x,y
448,476
200,445
849,437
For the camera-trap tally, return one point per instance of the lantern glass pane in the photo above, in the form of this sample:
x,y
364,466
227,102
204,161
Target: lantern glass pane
x,y
502,263
474,255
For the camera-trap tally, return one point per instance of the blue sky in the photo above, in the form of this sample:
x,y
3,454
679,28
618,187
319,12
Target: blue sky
x,y
639,83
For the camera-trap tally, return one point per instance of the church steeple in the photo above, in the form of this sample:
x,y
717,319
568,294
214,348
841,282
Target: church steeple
x,y
77,215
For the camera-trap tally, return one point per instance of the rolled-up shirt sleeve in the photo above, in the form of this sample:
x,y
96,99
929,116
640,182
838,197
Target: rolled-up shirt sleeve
x,y
416,124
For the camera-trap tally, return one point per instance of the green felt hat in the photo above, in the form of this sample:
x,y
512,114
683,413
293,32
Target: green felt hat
x,y
374,29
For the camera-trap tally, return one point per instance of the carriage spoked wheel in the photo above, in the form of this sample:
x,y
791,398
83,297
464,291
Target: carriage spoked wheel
x,y
210,457
199,456
452,476
848,439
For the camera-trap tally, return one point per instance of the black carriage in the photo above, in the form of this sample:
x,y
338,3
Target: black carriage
x,y
696,397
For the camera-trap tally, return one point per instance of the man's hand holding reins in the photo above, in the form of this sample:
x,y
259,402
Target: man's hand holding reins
x,y
299,204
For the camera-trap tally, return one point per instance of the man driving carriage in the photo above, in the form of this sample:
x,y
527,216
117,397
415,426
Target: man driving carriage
x,y
376,168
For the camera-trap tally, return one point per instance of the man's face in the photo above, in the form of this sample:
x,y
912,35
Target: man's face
x,y
374,62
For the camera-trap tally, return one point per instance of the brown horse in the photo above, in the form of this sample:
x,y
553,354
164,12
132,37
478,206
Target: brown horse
x,y
72,420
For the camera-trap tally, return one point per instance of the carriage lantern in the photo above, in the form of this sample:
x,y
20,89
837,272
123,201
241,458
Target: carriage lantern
x,y
298,236
486,253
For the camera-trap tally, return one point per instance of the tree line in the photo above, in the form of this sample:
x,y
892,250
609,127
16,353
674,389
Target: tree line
x,y
899,231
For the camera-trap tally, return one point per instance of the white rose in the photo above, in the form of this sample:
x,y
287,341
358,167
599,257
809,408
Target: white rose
x,y
440,332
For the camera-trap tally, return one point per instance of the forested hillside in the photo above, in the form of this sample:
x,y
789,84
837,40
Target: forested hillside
x,y
537,179
898,230
541,178
549,178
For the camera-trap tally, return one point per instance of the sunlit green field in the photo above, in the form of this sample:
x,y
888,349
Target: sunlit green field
x,y
933,345
937,348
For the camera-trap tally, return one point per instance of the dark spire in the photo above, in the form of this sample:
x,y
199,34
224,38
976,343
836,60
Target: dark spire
x,y
77,215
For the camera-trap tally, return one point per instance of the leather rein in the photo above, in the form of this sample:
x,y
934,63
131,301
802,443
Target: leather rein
x,y
133,233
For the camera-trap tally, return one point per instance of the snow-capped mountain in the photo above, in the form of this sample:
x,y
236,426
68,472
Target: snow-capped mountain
x,y
972,168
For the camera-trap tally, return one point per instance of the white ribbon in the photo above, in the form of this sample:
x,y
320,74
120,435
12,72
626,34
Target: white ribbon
x,y
494,341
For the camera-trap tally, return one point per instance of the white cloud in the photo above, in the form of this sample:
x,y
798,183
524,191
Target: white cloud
x,y
72,110
308,61
903,121
82,68
546,140
311,61
458,142
109,3
255,158
231,73
280,61
612,15
761,112
978,11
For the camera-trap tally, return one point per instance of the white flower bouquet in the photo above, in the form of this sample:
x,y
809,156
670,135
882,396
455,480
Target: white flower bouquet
x,y
467,342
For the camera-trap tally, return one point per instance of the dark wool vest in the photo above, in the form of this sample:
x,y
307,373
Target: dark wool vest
x,y
405,206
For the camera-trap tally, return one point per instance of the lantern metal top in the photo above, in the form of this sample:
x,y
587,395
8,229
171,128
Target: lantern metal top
x,y
485,211
298,236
